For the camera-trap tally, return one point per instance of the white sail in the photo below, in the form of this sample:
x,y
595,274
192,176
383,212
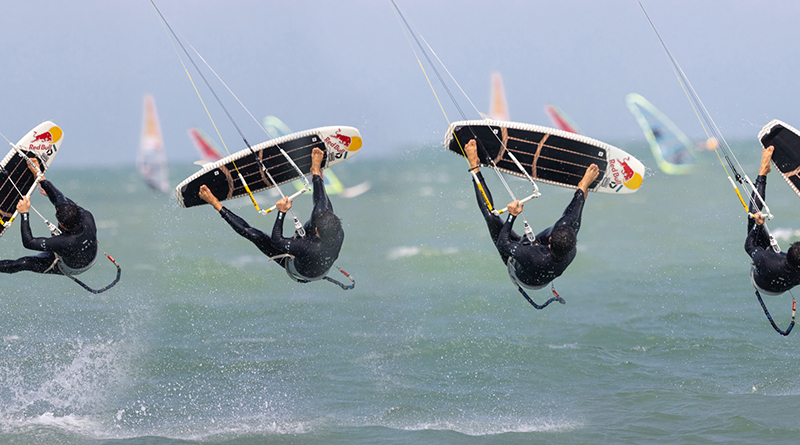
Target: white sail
x,y
150,159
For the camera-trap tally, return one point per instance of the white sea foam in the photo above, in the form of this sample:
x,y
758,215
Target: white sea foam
x,y
785,234
410,251
482,428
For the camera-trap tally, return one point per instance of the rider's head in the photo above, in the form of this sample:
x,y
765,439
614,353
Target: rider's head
x,y
562,240
328,225
793,255
69,215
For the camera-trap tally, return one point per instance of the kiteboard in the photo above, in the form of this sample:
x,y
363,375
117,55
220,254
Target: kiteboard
x,y
673,151
333,186
786,156
42,142
548,155
222,177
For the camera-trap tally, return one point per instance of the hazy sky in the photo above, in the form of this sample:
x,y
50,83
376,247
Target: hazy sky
x,y
87,64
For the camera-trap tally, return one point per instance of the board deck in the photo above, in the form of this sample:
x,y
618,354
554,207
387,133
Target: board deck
x,y
548,155
42,142
786,156
339,143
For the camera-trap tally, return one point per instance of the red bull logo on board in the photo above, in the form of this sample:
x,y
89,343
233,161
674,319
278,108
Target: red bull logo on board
x,y
342,143
46,140
622,173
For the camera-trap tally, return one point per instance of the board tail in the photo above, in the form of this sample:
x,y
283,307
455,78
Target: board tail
x,y
150,159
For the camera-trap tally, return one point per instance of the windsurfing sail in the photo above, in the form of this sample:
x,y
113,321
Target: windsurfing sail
x,y
209,152
674,152
150,159
276,128
560,119
498,106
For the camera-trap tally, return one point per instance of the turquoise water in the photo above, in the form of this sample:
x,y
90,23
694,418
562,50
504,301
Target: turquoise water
x,y
204,341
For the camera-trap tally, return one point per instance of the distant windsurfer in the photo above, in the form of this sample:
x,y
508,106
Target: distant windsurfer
x,y
306,258
772,273
75,248
533,264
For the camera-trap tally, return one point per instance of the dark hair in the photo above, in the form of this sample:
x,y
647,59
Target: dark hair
x,y
328,225
793,255
69,215
562,240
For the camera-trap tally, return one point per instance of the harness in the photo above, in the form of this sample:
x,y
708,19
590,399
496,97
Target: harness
x,y
513,275
299,278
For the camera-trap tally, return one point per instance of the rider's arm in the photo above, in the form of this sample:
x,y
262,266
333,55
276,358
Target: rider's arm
x,y
55,196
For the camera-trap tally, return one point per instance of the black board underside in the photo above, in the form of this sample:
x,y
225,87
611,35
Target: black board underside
x,y
560,160
17,169
16,173
224,181
786,155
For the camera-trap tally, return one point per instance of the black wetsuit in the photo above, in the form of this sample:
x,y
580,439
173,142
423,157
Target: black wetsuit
x,y
534,263
77,248
771,272
313,256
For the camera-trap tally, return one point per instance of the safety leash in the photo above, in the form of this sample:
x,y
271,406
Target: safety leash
x,y
303,280
83,285
555,297
514,280
769,317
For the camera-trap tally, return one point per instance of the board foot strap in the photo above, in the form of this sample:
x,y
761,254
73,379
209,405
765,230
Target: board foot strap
x,y
771,321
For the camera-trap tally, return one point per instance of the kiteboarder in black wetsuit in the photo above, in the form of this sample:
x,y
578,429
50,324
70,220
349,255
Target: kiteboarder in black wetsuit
x,y
309,257
76,246
533,264
772,273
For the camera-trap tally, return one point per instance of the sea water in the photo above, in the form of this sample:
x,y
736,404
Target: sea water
x,y
205,341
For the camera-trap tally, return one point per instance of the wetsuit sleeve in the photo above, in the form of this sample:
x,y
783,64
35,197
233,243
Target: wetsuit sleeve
x,y
572,214
55,196
751,243
51,244
321,201
503,239
28,241
755,203
241,227
278,241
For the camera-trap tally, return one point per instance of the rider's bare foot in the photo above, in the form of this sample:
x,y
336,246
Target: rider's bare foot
x,y
317,156
766,156
588,178
471,149
205,194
